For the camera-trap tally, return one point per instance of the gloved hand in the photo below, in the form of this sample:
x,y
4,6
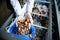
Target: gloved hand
x,y
13,29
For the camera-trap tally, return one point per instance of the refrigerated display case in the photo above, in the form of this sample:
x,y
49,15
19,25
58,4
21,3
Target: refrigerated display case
x,y
42,33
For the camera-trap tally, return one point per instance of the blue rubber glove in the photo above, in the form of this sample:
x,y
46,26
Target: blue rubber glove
x,y
13,29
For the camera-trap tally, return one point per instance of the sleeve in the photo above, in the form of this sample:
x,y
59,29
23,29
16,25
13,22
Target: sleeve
x,y
16,6
30,5
24,8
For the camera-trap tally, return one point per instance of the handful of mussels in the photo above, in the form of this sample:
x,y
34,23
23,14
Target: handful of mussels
x,y
23,26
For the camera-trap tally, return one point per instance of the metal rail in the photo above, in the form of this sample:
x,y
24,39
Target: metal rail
x,y
58,17
7,21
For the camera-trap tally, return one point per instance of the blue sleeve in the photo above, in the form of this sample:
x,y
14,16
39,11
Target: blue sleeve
x,y
33,30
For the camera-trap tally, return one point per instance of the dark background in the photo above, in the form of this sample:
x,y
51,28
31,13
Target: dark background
x,y
4,11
